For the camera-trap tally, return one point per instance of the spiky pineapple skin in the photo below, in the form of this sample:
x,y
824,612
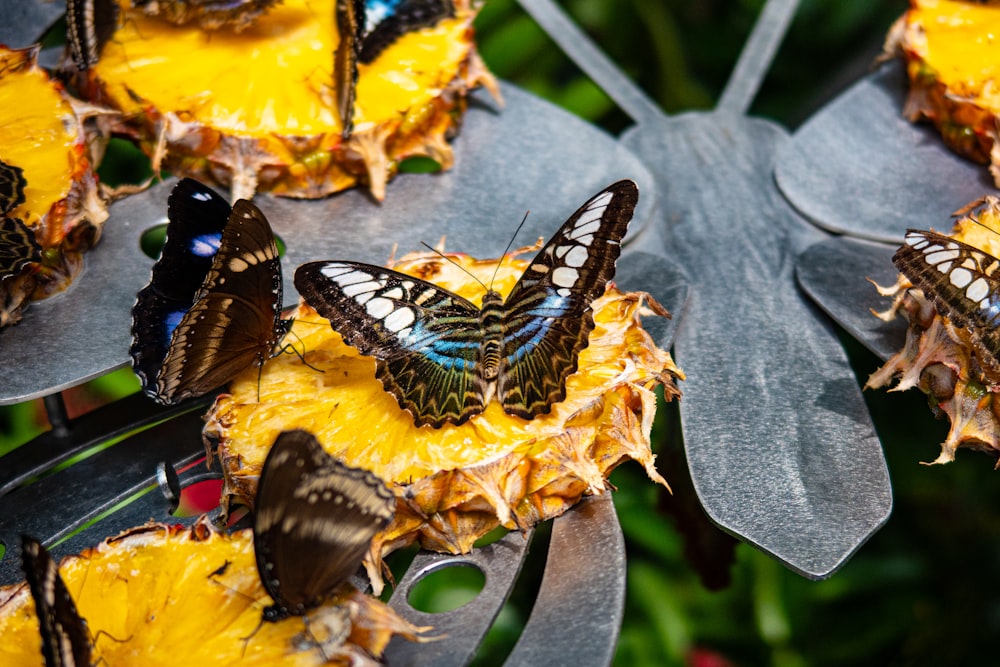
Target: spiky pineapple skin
x,y
939,357
252,110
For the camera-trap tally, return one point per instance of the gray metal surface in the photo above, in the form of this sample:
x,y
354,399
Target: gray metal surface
x,y
530,156
858,167
25,21
833,273
779,442
461,630
780,445
568,619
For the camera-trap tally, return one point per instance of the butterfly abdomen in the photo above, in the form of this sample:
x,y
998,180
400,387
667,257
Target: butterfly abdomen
x,y
491,324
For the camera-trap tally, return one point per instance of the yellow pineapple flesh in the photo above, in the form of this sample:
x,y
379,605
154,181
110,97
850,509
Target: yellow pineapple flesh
x,y
952,60
456,483
157,593
44,132
253,109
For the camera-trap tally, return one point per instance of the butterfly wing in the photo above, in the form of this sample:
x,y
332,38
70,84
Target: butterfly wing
x,y
365,28
314,521
12,184
549,315
425,339
17,246
89,26
65,639
350,18
385,21
963,282
213,306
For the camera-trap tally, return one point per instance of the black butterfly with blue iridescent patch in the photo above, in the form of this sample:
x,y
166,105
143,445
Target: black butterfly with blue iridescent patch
x,y
65,638
962,281
314,520
212,308
365,29
442,357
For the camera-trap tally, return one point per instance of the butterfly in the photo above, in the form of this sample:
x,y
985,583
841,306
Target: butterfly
x,y
442,357
962,281
89,26
209,14
65,638
213,305
17,241
314,519
365,29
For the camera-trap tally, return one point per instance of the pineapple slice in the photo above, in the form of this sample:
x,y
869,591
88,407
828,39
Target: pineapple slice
x,y
456,483
255,109
940,358
158,592
43,132
953,64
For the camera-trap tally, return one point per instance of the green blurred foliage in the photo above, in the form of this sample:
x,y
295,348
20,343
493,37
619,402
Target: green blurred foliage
x,y
921,590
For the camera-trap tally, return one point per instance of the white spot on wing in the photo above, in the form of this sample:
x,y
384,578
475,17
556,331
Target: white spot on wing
x,y
379,307
942,256
399,319
359,288
576,257
960,277
977,290
565,276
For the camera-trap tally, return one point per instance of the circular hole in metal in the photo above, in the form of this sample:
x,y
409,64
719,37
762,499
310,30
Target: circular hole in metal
x,y
151,241
447,588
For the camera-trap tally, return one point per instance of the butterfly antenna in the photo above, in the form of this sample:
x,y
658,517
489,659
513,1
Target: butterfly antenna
x,y
507,249
454,263
290,348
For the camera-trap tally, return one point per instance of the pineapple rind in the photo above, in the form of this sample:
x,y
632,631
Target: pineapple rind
x,y
253,109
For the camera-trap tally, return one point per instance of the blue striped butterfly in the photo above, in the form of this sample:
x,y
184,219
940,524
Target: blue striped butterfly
x,y
365,29
443,358
962,281
212,307
65,637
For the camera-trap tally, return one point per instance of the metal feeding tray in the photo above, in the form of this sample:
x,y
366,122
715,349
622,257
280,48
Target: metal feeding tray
x,y
529,155
780,447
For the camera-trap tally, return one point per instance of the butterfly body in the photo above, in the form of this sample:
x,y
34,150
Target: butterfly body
x,y
212,308
89,26
444,358
964,284
314,521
